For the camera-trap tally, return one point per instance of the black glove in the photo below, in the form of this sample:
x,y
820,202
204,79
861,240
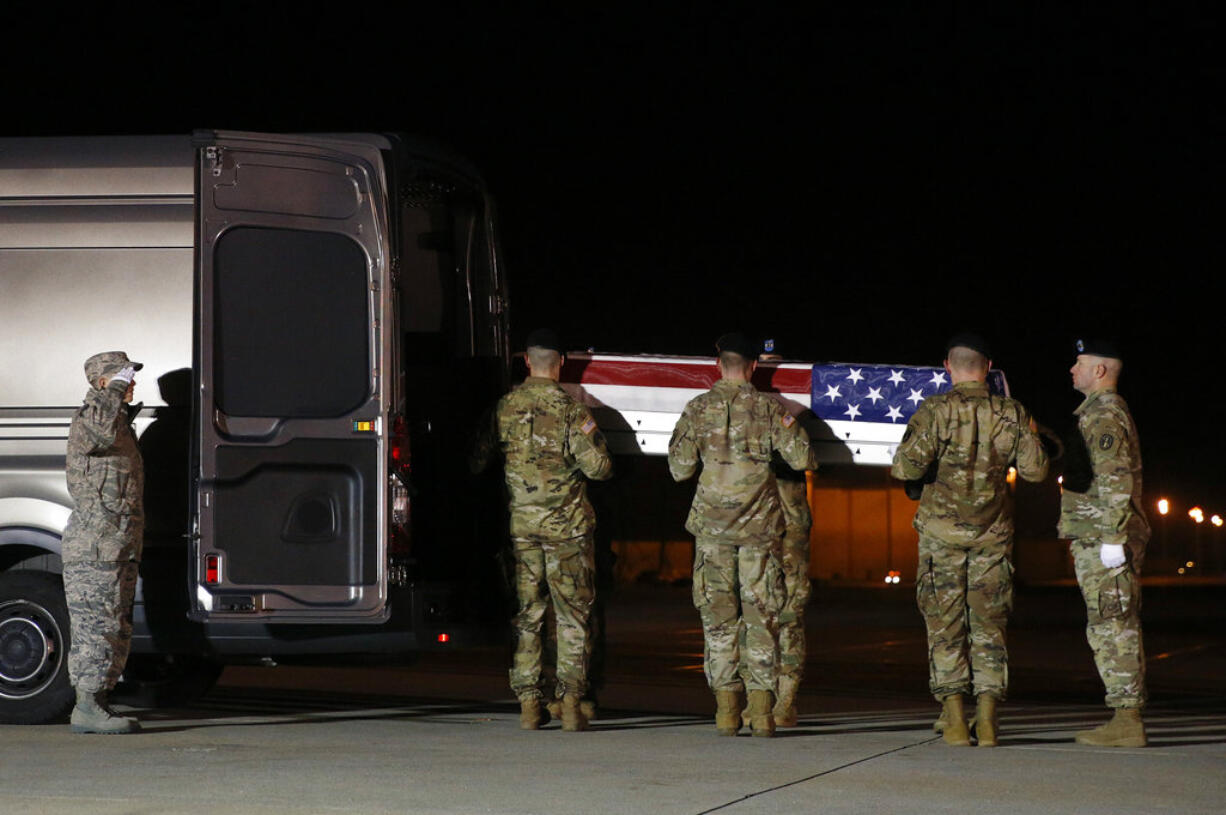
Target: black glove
x,y
1078,471
915,488
1052,445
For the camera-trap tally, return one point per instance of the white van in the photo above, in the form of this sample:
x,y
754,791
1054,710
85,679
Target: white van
x,y
305,306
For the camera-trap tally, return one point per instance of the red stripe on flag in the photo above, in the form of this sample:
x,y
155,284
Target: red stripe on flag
x,y
672,373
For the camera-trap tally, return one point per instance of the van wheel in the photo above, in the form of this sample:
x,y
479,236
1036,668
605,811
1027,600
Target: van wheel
x,y
34,687
166,680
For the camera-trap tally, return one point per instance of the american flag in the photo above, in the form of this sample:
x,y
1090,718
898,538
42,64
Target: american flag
x,y
862,409
866,407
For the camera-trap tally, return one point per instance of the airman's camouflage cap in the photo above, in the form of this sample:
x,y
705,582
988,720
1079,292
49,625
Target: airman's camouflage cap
x,y
108,363
1098,348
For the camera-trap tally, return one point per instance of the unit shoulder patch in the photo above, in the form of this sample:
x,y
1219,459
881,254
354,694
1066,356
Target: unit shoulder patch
x,y
1106,441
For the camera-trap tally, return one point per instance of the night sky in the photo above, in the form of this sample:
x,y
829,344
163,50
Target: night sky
x,y
857,182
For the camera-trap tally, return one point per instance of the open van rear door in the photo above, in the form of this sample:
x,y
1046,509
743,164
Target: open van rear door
x,y
294,333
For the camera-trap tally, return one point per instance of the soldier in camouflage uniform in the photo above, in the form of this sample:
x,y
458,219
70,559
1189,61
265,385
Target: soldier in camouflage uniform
x,y
798,519
1101,512
550,442
102,542
736,520
957,449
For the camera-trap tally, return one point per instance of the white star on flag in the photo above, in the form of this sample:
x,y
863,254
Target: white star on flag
x,y
896,377
853,411
874,394
894,413
855,375
938,378
916,396
832,392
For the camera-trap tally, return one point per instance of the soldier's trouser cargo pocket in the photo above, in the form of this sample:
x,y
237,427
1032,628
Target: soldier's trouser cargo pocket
x,y
1117,593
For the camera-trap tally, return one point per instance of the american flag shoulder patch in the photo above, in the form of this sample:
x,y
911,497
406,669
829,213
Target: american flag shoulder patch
x,y
588,426
788,420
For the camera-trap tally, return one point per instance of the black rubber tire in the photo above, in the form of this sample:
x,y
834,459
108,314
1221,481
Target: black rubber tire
x,y
166,680
34,642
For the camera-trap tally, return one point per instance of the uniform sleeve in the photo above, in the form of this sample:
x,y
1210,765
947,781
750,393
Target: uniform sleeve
x,y
1111,456
1032,461
683,448
918,448
484,443
588,446
100,417
791,440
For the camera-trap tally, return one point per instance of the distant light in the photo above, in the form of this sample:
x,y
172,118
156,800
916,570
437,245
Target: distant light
x,y
1216,520
1164,506
1197,514
1181,570
444,638
1011,476
1191,563
1060,480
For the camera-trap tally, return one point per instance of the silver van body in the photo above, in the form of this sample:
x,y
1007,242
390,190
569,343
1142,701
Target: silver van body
x,y
273,287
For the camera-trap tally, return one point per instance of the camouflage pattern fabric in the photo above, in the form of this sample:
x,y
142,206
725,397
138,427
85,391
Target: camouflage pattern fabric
x,y
1113,620
794,499
737,520
1110,511
550,442
103,539
99,596
105,479
964,585
974,437
965,594
563,571
732,430
738,591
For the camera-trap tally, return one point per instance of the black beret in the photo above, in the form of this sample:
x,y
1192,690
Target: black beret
x,y
968,340
737,343
1098,348
545,338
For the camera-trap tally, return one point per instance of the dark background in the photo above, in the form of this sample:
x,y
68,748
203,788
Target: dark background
x,y
858,182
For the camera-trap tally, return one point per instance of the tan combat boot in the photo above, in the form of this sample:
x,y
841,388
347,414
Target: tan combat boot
x,y
91,715
1124,730
785,701
761,719
985,720
727,712
955,732
530,714
573,719
588,707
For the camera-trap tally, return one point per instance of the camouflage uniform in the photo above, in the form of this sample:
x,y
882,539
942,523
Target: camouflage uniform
x,y
794,501
550,442
103,539
964,587
1110,512
737,524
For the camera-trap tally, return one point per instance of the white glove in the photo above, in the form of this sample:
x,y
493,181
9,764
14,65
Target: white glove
x,y
1112,555
125,376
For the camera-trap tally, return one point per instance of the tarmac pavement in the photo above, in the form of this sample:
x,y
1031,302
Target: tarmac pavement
x,y
442,736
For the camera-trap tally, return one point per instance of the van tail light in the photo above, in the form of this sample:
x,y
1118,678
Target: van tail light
x,y
212,569
401,455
